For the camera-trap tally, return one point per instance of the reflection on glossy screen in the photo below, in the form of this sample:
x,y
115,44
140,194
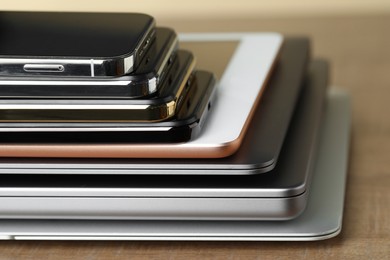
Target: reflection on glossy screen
x,y
211,56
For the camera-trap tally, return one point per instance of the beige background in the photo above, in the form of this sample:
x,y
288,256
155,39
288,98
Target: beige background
x,y
172,9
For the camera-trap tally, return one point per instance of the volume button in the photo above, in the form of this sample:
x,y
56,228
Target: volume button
x,y
43,68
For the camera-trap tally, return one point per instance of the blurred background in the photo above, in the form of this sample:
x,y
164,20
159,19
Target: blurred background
x,y
176,9
173,9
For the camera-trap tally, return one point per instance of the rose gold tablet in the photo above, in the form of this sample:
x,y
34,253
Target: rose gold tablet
x,y
242,61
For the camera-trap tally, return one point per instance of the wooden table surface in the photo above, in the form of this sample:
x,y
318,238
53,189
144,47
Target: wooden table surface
x,y
359,51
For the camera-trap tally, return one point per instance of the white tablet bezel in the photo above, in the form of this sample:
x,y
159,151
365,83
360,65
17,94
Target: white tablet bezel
x,y
238,92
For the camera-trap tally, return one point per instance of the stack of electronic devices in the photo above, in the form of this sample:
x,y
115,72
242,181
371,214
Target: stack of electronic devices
x,y
113,129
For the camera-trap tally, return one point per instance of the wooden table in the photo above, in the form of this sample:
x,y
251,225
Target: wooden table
x,y
359,51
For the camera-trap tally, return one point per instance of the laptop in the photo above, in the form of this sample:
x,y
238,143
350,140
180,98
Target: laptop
x,y
321,219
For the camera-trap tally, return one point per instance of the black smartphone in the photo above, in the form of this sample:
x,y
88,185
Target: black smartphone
x,y
162,106
185,125
144,81
73,44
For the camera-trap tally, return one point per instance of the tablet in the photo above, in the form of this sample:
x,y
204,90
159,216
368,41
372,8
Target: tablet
x,y
249,65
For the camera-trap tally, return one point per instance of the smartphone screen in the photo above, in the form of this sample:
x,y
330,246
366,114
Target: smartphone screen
x,y
222,52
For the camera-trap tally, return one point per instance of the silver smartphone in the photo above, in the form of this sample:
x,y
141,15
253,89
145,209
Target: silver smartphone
x,y
73,44
144,81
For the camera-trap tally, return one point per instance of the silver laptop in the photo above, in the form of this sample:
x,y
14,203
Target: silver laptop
x,y
321,219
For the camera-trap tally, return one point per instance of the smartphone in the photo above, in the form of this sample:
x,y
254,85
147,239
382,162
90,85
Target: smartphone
x,y
73,44
161,107
185,125
144,81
